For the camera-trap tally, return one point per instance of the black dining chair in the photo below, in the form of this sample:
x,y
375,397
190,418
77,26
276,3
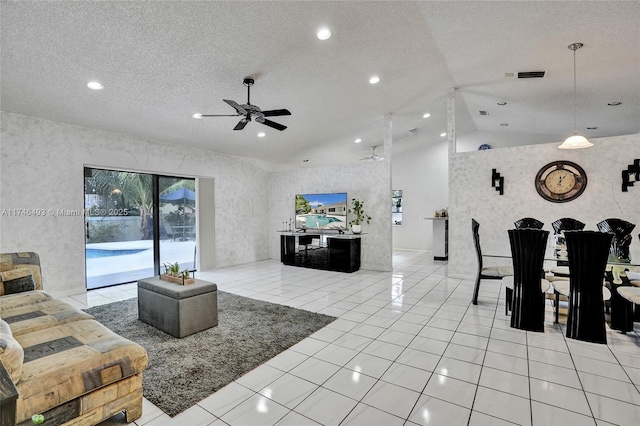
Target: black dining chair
x,y
631,295
528,299
485,273
528,222
567,224
622,236
559,226
588,252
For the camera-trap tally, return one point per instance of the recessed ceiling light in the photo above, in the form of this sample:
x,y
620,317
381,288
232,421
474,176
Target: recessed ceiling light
x,y
323,33
504,124
614,103
94,85
374,80
502,103
358,140
197,116
592,128
262,134
443,134
426,115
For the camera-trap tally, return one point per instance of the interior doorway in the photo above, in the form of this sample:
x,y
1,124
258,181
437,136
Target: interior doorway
x,y
135,222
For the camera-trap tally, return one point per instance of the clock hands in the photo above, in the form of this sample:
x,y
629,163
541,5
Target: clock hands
x,y
560,180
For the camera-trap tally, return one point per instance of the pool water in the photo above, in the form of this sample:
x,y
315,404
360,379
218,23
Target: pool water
x,y
96,253
318,221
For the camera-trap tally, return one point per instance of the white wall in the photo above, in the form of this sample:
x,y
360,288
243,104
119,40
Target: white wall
x,y
42,168
367,181
471,194
423,176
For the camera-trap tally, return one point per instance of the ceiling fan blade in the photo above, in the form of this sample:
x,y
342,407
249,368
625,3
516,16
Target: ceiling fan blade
x,y
275,112
273,124
236,106
241,124
219,115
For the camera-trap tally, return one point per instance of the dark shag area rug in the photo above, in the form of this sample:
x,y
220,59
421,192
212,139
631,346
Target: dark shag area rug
x,y
182,372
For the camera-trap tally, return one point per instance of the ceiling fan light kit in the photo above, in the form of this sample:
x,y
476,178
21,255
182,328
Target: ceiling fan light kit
x,y
575,141
248,111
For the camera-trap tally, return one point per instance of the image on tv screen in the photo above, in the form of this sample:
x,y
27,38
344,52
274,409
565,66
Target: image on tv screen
x,y
321,211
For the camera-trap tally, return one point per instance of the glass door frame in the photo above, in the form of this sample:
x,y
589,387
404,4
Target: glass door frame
x,y
155,189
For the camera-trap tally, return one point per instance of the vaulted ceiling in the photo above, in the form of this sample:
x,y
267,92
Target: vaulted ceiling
x,y
162,62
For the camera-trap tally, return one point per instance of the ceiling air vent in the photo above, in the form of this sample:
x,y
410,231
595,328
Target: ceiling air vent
x,y
531,74
483,113
414,131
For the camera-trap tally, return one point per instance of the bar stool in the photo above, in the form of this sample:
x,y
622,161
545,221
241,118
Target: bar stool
x,y
527,301
588,252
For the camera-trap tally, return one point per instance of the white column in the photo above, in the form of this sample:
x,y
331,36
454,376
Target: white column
x,y
451,120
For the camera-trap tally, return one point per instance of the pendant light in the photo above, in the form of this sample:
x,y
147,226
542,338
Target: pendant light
x,y
575,141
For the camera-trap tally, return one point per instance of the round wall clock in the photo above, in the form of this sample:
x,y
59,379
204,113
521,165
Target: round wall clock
x,y
561,181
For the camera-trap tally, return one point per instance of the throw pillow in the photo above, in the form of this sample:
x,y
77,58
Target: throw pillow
x,y
11,353
16,280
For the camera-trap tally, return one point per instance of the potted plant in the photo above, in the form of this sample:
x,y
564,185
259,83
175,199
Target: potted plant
x,y
360,216
173,273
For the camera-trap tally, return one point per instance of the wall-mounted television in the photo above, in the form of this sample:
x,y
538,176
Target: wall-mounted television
x,y
321,211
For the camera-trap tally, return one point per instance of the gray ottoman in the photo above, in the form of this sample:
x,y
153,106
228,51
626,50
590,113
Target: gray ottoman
x,y
179,310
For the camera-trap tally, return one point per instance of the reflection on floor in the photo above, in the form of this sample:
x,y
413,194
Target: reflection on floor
x,y
408,348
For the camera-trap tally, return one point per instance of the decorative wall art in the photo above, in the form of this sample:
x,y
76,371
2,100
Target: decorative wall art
x,y
497,181
632,170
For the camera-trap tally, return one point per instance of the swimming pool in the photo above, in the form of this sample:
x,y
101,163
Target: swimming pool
x,y
96,253
319,221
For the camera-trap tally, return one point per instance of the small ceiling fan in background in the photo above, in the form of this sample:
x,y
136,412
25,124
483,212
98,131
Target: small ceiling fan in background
x,y
373,156
248,111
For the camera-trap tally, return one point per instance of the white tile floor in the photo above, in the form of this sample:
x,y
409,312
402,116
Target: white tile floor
x,y
408,348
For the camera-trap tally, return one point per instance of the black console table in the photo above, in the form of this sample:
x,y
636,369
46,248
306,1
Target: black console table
x,y
335,252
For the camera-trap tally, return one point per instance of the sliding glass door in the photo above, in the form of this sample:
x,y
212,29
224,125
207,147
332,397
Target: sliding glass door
x,y
177,213
135,222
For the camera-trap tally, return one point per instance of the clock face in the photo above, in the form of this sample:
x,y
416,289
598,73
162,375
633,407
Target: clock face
x,y
561,181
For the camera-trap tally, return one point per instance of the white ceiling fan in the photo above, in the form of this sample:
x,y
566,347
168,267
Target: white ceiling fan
x,y
373,156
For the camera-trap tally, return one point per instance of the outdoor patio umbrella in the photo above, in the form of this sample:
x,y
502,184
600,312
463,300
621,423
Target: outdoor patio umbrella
x,y
182,195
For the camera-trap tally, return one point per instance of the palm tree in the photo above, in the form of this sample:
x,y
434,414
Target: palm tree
x,y
132,189
138,189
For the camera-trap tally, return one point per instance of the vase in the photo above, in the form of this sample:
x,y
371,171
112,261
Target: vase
x,y
356,229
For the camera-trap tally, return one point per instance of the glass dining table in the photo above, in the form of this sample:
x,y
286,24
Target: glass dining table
x,y
615,273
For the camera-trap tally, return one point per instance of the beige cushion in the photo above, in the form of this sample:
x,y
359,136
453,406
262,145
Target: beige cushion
x,y
560,270
41,315
632,294
635,283
563,287
508,282
497,271
554,278
11,353
12,301
69,360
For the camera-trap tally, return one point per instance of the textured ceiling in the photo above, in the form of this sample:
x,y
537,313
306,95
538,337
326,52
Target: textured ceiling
x,y
161,62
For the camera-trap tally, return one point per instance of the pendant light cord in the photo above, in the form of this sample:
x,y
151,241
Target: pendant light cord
x,y
575,125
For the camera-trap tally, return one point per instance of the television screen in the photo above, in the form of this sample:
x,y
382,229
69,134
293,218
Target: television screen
x,y
321,211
